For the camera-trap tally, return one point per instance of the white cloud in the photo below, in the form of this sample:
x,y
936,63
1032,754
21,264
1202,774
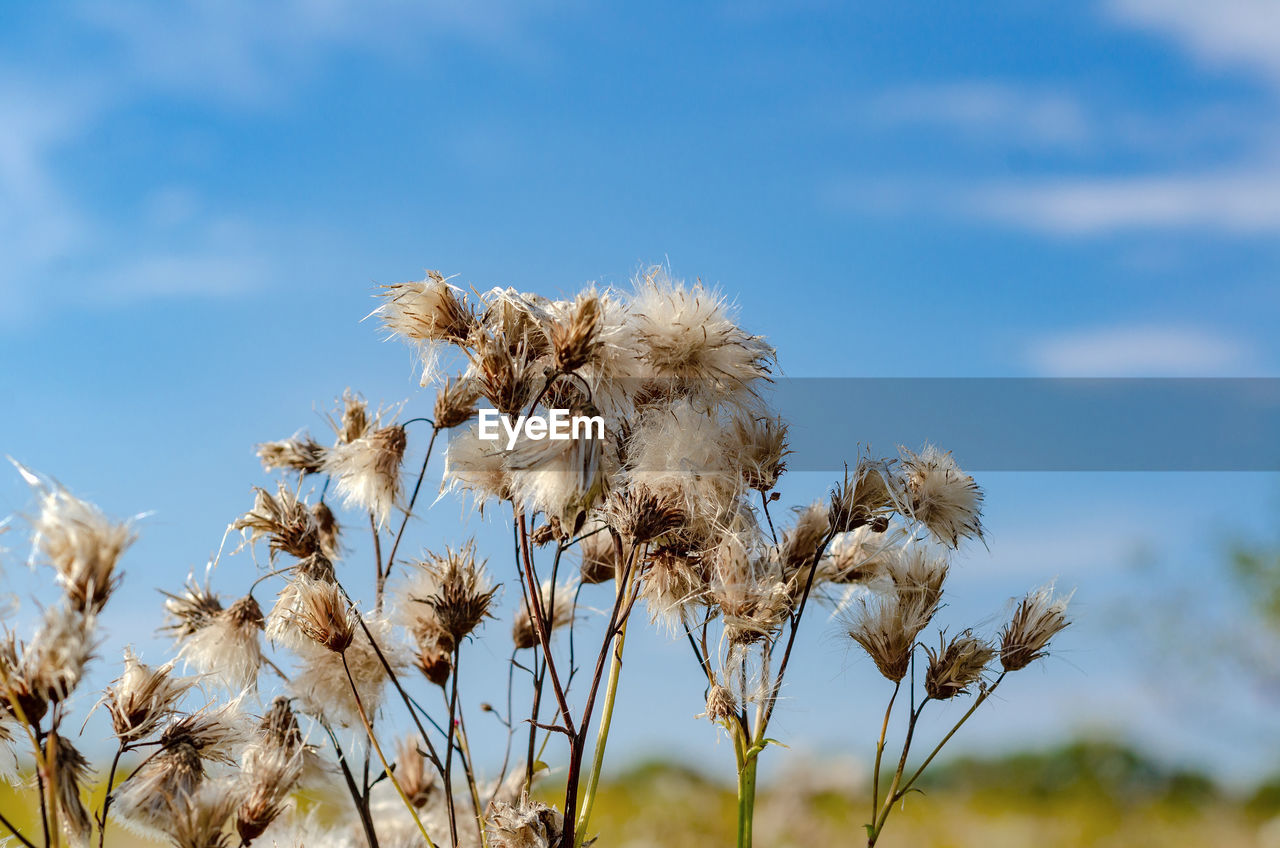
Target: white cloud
x,y
1013,113
1243,33
1151,350
1242,202
235,51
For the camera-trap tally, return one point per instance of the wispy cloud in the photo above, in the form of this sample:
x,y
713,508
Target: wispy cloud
x,y
1245,203
1149,350
234,52
1240,33
985,109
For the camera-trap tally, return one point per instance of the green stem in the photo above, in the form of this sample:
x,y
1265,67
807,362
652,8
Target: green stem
x,y
977,702
602,735
747,798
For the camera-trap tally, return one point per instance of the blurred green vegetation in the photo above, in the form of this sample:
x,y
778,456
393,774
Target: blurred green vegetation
x,y
1087,793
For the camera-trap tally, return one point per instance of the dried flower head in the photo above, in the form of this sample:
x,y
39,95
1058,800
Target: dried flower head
x,y
803,542
463,591
323,614
477,466
199,820
455,403
641,516
689,335
228,646
143,697
267,776
330,533
285,521
44,671
1038,618
918,574
508,376
865,497
862,555
527,824
212,734
190,611
429,310
956,665
413,774
322,687
81,544
575,334
560,478
599,554
673,584
299,453
354,420
886,628
143,803
761,445
366,472
557,605
721,704
942,497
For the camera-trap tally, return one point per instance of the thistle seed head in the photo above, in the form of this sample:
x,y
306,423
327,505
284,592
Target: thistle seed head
x,y
956,665
942,497
1038,618
455,403
143,697
299,453
575,336
366,472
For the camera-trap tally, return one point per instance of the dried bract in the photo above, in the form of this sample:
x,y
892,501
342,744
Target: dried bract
x,y
143,697
299,453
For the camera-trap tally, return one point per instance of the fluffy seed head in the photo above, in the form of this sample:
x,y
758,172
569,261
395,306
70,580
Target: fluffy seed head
x,y
299,453
413,773
199,820
527,824
429,310
45,670
321,684
190,611
463,591
956,665
1038,618
455,403
80,543
575,335
557,606
865,496
887,629
142,698
761,445
599,555
366,472
287,523
321,612
942,497
228,645
688,335
72,769
641,516
506,375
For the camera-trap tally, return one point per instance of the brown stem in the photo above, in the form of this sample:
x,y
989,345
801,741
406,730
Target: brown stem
x,y
107,798
8,825
413,498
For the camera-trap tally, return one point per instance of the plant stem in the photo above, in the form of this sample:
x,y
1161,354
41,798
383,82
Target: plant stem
x,y
747,798
413,498
9,827
106,799
884,730
602,735
448,747
373,741
977,702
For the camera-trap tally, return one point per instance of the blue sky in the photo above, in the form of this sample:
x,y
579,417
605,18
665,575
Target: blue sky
x,y
196,201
